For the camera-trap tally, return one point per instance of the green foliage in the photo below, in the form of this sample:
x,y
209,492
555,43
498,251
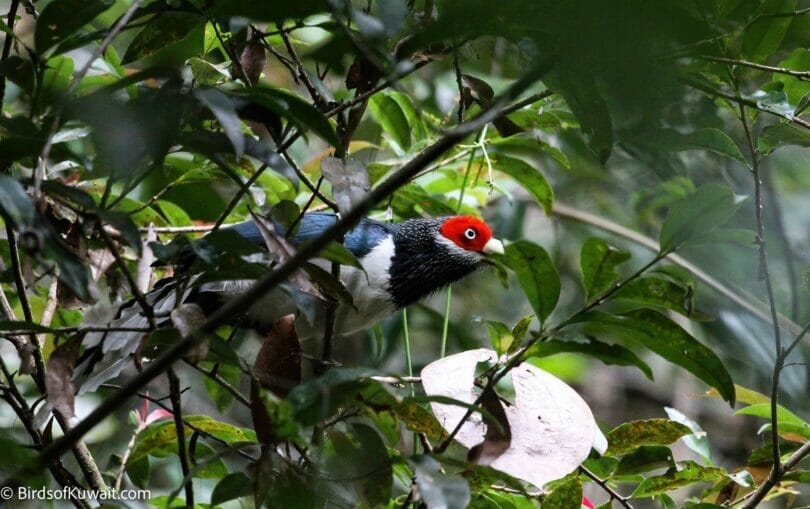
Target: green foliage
x,y
598,262
626,437
537,275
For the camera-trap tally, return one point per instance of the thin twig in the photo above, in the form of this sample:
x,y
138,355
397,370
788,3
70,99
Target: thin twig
x,y
802,75
765,277
238,197
301,73
22,294
222,383
614,495
182,451
182,229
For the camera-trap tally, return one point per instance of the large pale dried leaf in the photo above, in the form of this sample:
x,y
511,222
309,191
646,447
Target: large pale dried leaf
x,y
551,425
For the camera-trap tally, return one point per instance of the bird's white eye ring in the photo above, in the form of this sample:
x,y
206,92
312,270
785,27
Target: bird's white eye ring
x,y
470,233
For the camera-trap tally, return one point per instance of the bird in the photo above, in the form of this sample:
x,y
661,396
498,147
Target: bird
x,y
400,264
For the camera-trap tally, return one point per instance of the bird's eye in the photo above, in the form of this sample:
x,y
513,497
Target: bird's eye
x,y
470,233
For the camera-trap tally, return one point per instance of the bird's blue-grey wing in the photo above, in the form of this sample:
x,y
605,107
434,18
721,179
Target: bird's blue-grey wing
x,y
360,240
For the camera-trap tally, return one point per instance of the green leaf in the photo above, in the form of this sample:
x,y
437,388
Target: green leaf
x,y
124,224
56,79
802,476
775,136
713,140
164,29
437,488
329,284
408,109
339,253
418,419
318,399
391,118
582,95
670,341
73,271
658,292
598,262
205,73
159,436
794,88
645,459
763,37
709,207
565,496
530,178
232,486
630,435
223,109
520,329
62,18
362,458
689,473
15,205
609,354
697,441
296,110
537,275
138,472
19,139
500,337
786,418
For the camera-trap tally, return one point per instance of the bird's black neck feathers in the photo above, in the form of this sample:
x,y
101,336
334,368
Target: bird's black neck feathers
x,y
423,264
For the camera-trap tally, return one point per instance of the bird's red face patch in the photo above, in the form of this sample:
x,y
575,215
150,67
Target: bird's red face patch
x,y
467,232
